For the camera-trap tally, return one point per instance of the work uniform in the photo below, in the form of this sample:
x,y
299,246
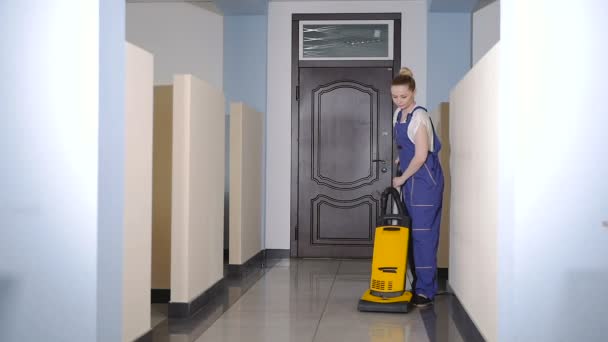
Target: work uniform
x,y
422,194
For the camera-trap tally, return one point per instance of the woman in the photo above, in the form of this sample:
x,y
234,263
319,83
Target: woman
x,y
421,183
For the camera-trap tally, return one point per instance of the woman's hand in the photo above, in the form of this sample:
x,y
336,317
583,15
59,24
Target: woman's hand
x,y
398,181
397,161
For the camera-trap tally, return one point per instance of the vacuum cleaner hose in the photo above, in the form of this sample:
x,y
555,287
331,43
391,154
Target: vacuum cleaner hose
x,y
402,214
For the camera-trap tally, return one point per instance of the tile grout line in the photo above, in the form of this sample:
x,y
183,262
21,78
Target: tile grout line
x,y
331,288
264,270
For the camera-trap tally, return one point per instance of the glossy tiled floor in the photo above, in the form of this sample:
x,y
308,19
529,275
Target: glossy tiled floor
x,y
309,300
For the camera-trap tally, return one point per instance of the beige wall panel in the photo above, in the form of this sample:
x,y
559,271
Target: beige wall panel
x,y
198,187
246,140
138,192
474,195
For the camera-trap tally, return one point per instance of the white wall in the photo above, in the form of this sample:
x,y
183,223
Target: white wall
x,y
138,192
278,150
474,196
486,30
246,140
184,38
53,211
198,188
552,239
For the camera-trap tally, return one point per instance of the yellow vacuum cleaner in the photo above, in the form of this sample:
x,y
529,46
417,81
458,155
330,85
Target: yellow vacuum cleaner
x,y
389,264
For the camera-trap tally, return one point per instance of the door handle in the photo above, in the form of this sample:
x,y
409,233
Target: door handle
x,y
383,162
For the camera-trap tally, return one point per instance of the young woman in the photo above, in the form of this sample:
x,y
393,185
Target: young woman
x,y
421,183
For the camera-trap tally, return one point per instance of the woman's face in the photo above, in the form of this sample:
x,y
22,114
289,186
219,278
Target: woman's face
x,y
403,97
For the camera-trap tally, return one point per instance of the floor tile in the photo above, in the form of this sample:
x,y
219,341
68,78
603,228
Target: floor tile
x,y
306,300
159,314
253,327
375,328
355,267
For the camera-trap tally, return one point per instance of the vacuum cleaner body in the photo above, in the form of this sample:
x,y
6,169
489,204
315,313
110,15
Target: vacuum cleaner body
x,y
389,264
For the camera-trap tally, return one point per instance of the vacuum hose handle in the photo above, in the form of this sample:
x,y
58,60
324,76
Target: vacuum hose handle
x,y
402,214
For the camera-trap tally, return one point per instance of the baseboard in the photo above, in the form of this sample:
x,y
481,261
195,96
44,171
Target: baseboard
x,y
442,273
256,261
185,310
465,325
277,253
147,337
160,296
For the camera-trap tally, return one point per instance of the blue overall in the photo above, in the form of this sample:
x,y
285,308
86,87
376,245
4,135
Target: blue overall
x,y
423,195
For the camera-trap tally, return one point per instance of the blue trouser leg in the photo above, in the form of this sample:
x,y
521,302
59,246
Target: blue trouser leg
x,y
425,240
426,220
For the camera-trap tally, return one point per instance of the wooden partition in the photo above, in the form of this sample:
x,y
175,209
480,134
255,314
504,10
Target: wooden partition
x,y
197,215
161,195
246,139
441,121
138,192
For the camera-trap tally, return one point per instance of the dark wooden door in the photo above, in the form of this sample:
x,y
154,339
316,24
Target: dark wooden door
x,y
345,127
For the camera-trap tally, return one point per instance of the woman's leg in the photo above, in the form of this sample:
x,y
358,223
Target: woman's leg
x,y
425,239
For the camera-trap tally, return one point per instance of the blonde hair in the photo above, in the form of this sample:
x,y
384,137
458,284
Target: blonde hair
x,y
406,72
406,78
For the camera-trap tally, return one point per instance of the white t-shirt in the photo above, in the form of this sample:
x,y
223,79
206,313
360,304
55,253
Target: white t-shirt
x,y
420,117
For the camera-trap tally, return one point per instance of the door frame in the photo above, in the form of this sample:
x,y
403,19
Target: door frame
x,y
295,70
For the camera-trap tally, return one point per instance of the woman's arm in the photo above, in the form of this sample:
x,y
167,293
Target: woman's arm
x,y
421,142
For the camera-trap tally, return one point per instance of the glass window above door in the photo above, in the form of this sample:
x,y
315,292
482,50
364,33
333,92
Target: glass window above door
x,y
346,40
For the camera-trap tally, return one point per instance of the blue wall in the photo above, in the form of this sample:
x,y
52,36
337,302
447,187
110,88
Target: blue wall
x,y
245,59
111,169
245,62
449,54
52,135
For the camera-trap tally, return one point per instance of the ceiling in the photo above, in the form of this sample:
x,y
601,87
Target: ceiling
x,y
242,7
260,7
206,4
454,6
225,7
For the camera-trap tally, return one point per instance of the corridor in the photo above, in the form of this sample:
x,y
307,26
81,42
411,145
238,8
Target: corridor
x,y
311,300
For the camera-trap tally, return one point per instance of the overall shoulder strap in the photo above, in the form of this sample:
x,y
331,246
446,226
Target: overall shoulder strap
x,y
397,116
431,121
419,107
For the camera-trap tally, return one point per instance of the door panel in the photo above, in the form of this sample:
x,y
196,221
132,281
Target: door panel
x,y
345,125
